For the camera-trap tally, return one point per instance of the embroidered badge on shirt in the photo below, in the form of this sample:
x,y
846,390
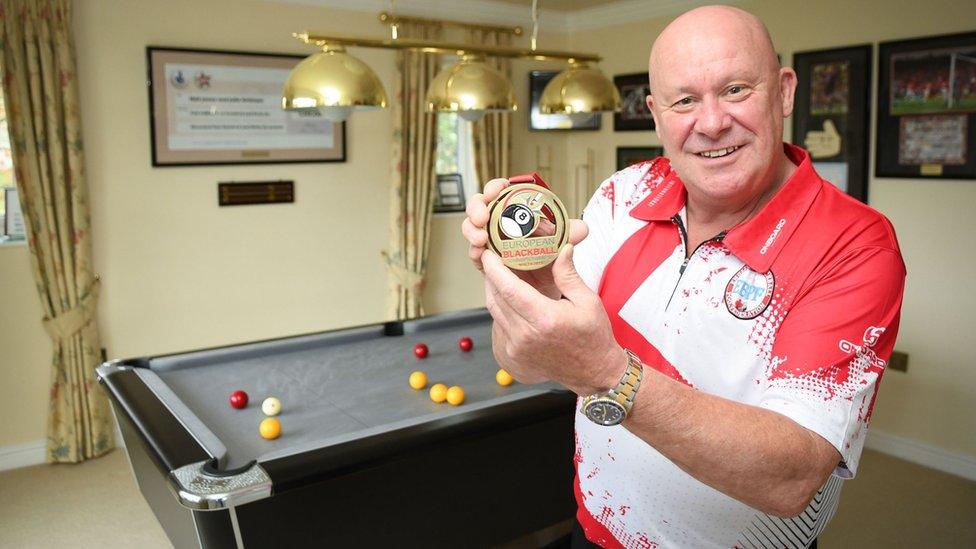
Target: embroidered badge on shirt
x,y
749,293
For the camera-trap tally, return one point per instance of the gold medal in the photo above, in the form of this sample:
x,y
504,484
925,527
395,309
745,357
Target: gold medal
x,y
527,226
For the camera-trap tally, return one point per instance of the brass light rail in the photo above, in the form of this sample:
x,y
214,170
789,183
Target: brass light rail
x,y
396,19
322,40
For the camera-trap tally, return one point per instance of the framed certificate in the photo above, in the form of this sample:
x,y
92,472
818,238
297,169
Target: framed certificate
x,y
211,107
927,108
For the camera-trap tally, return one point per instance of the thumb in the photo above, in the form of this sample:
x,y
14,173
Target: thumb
x,y
829,128
565,276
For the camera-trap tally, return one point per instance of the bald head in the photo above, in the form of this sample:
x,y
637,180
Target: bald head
x,y
701,28
718,98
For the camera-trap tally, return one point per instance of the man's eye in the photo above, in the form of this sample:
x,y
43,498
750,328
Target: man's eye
x,y
684,102
735,89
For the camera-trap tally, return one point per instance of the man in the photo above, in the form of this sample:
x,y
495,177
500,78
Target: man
x,y
752,304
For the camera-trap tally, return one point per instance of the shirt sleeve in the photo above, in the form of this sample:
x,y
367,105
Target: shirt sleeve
x,y
832,347
592,254
612,201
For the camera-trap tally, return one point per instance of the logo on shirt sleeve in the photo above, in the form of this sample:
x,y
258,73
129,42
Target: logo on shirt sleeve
x,y
748,293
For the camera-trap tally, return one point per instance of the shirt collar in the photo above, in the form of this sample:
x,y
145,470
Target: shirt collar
x,y
758,241
664,202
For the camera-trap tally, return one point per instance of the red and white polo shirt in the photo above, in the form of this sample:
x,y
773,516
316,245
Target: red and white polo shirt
x,y
794,311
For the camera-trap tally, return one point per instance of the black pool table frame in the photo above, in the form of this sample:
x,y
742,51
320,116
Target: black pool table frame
x,y
475,479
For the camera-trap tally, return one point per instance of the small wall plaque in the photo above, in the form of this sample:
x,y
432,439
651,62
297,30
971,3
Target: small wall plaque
x,y
255,192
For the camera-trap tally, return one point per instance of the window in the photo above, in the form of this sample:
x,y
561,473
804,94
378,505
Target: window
x,y
6,164
455,152
455,155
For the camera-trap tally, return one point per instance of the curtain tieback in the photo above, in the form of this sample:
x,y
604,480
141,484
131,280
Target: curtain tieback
x,y
406,277
73,320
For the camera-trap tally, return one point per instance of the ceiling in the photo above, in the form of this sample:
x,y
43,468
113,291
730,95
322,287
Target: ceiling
x,y
561,5
563,16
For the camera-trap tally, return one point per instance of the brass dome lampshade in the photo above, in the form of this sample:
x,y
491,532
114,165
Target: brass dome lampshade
x,y
470,88
333,82
579,90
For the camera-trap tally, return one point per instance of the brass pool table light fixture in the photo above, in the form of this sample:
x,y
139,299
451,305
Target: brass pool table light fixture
x,y
337,83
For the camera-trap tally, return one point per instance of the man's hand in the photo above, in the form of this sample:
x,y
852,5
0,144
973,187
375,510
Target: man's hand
x,y
538,337
474,229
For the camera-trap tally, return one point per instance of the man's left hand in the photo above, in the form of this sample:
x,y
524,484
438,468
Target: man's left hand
x,y
567,340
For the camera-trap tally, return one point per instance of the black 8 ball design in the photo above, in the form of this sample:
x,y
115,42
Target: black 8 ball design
x,y
518,221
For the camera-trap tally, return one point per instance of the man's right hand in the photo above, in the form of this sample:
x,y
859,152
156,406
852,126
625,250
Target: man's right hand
x,y
474,229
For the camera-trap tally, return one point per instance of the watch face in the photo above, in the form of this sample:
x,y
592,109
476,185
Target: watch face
x,y
605,412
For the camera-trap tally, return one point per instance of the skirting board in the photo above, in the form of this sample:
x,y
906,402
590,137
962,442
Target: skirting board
x,y
32,453
927,455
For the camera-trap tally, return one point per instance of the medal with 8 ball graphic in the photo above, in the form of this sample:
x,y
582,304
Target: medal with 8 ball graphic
x,y
527,224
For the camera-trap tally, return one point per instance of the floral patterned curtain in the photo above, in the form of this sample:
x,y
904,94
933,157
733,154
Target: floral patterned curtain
x,y
414,177
37,66
492,134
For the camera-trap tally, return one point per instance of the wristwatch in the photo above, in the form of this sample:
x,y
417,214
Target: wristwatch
x,y
611,408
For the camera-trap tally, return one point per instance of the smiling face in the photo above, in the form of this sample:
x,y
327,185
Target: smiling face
x,y
718,98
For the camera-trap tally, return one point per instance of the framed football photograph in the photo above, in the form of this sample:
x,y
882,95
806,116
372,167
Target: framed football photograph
x,y
927,108
633,114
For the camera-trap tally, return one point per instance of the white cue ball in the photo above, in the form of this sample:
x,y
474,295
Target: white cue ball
x,y
271,406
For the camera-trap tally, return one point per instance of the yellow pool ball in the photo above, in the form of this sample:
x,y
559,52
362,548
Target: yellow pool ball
x,y
438,392
504,378
418,380
455,395
270,428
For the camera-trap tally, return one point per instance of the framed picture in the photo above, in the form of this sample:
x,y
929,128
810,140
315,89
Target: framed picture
x,y
449,195
211,107
634,114
628,156
927,108
550,122
831,116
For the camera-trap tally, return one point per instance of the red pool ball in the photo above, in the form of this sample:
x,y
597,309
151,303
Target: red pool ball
x,y
420,350
465,344
238,399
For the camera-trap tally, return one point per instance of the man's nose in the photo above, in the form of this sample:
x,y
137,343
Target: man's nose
x,y
712,118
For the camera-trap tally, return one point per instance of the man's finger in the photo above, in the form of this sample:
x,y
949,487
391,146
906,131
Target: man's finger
x,y
500,311
477,210
518,295
493,187
567,279
474,235
578,230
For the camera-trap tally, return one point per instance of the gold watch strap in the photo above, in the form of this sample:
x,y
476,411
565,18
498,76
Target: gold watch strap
x,y
626,389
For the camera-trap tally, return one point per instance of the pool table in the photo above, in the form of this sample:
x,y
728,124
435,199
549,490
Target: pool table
x,y
363,459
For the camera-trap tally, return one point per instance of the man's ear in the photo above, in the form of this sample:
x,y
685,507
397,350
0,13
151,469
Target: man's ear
x,y
787,89
649,101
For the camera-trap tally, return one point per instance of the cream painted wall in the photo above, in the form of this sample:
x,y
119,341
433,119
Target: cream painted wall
x,y
180,273
935,401
26,351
